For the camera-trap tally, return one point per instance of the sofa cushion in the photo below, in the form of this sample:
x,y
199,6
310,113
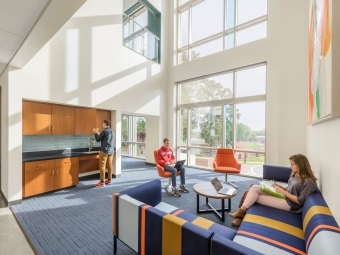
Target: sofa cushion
x,y
271,231
149,193
321,231
222,246
223,231
164,207
278,173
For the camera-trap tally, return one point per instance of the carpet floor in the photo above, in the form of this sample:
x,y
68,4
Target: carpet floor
x,y
78,220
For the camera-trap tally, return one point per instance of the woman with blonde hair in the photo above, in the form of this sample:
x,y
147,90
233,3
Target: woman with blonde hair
x,y
301,184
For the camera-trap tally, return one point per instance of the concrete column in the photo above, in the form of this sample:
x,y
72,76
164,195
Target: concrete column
x,y
116,125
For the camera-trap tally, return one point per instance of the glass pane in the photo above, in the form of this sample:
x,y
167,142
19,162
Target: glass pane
x,y
250,9
183,57
213,88
229,113
137,27
206,126
229,14
182,154
183,127
141,150
202,158
125,128
184,29
142,19
250,130
150,46
251,82
183,2
141,129
125,148
207,49
229,41
207,19
252,33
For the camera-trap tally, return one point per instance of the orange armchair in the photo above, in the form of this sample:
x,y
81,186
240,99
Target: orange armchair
x,y
225,162
163,173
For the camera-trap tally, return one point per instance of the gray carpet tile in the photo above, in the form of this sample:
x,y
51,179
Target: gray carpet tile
x,y
78,220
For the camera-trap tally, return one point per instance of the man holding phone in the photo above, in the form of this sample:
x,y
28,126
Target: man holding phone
x,y
166,159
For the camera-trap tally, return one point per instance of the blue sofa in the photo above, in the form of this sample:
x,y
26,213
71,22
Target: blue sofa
x,y
151,227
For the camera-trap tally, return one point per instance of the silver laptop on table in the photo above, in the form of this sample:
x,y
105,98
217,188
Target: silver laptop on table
x,y
220,189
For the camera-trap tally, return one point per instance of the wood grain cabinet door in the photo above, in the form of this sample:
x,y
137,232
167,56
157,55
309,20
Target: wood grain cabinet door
x,y
67,172
85,121
38,181
102,115
36,118
63,119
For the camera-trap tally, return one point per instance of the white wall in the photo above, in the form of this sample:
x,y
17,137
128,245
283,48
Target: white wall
x,y
285,51
84,64
5,121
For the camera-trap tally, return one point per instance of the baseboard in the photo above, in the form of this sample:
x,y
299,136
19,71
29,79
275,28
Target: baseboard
x,y
15,202
116,175
150,164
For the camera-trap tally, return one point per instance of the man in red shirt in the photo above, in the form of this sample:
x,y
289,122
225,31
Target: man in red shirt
x,y
166,159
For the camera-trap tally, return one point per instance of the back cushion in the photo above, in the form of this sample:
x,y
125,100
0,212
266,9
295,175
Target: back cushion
x,y
319,226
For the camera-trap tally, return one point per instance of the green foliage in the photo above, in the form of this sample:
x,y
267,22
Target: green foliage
x,y
125,122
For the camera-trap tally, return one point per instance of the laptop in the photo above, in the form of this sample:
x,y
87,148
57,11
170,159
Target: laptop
x,y
180,162
220,189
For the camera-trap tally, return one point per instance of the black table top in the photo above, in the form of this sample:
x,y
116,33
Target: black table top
x,y
67,153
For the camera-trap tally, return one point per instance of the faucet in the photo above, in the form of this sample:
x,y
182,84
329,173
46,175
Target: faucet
x,y
91,143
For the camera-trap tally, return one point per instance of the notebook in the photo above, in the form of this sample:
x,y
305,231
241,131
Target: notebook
x,y
222,190
270,190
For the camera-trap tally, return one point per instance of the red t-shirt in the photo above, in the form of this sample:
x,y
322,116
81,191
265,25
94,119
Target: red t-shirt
x,y
164,155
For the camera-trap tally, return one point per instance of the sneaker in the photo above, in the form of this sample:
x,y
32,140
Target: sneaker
x,y
184,189
108,181
100,184
175,193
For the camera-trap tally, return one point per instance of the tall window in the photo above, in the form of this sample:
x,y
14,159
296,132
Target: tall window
x,y
133,136
224,110
209,26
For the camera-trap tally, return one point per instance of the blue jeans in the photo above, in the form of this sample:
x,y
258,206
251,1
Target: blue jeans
x,y
173,170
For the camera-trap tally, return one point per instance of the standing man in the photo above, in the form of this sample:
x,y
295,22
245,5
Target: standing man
x,y
106,137
166,159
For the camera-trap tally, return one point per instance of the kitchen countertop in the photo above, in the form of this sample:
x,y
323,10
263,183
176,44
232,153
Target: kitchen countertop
x,y
67,153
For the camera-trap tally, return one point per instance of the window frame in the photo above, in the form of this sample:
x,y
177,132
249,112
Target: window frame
x,y
188,6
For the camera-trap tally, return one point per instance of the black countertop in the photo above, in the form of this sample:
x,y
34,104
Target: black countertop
x,y
67,153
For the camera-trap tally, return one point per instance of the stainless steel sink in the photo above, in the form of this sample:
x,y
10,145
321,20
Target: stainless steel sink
x,y
91,152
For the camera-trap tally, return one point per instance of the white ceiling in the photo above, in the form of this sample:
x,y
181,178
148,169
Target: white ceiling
x,y
17,18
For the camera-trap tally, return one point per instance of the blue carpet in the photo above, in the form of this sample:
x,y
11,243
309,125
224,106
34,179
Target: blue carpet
x,y
79,220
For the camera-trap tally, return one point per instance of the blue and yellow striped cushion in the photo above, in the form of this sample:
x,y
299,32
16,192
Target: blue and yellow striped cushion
x,y
319,226
272,230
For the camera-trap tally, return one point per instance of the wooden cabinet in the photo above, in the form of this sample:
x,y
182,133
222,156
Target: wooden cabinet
x,y
36,118
67,172
62,120
88,163
47,175
52,119
85,121
102,115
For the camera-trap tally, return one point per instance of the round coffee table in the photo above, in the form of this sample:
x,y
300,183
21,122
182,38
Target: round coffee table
x,y
207,190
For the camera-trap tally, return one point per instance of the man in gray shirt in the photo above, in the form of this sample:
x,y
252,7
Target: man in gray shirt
x,y
106,137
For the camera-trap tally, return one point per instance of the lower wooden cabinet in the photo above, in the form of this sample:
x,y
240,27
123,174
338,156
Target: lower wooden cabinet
x,y
48,175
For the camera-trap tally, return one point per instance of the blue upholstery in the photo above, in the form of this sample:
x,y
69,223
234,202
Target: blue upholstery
x,y
222,246
278,173
149,193
195,240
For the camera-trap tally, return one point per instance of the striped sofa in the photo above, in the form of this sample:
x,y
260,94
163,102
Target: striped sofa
x,y
151,227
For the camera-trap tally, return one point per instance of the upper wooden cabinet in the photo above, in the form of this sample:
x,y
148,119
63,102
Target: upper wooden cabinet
x,y
63,120
102,115
85,121
52,119
36,118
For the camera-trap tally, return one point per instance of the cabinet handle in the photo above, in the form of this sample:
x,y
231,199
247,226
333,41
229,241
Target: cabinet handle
x,y
49,127
52,127
57,172
53,172
40,165
66,162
